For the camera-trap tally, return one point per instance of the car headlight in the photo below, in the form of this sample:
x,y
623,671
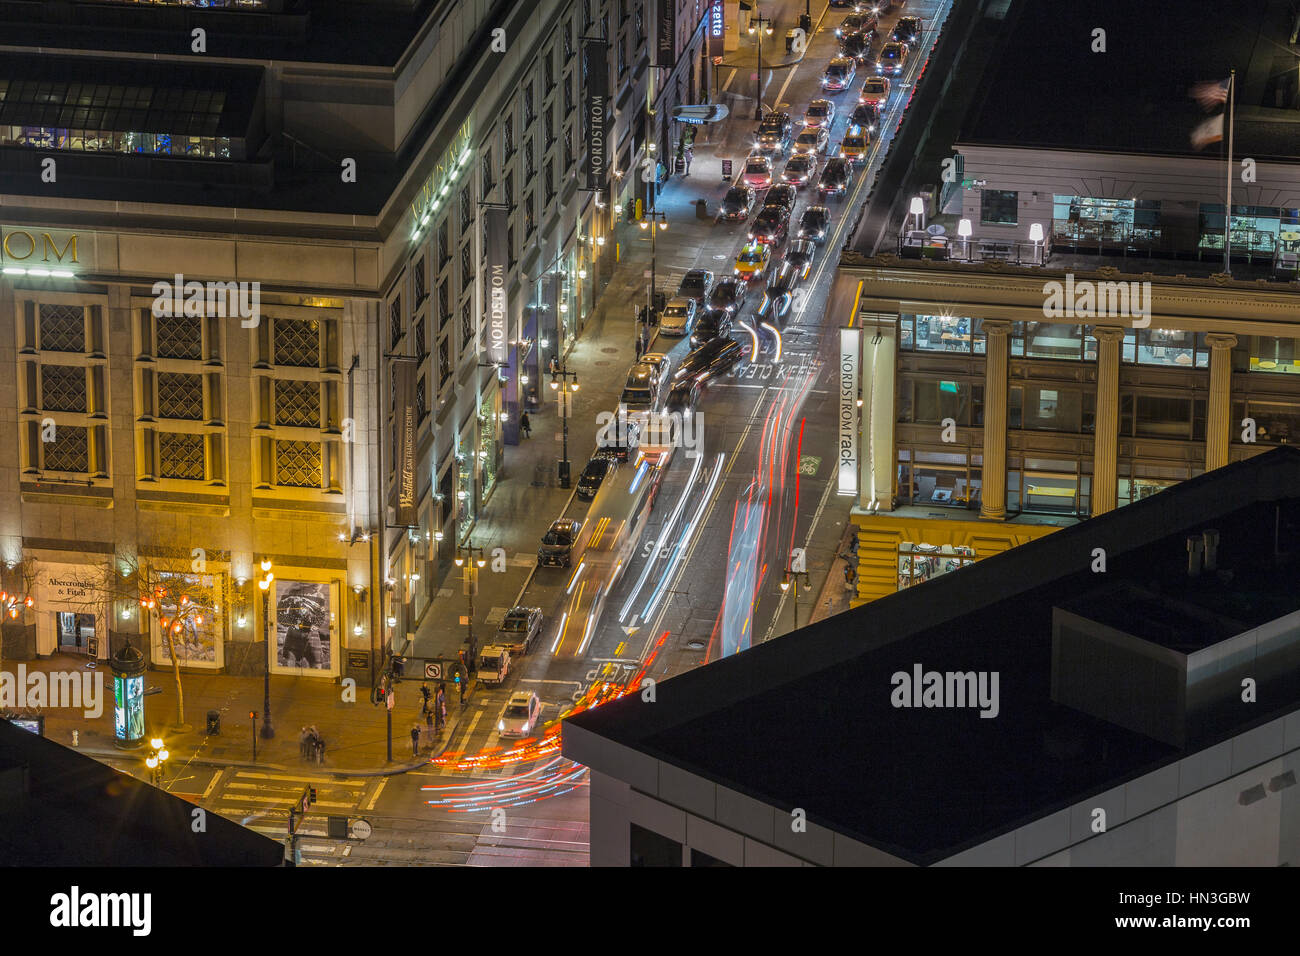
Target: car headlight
x,y
501,725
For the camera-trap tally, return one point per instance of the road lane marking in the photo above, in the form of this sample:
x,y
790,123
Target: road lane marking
x,y
370,804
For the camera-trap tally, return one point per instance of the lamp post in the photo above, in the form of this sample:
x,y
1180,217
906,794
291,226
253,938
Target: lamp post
x,y
791,579
917,208
964,230
560,381
1036,237
156,760
265,584
757,27
654,221
471,559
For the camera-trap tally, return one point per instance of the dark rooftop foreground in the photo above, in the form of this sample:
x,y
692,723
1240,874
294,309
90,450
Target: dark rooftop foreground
x,y
806,720
79,812
1045,88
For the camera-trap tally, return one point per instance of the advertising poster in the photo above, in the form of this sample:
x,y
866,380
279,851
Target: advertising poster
x,y
302,624
198,643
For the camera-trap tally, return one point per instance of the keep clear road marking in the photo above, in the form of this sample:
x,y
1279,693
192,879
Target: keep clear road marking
x,y
212,784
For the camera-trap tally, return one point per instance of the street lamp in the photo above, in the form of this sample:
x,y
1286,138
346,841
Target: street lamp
x,y
471,559
265,584
791,579
917,209
1036,237
964,230
561,381
659,221
757,27
156,760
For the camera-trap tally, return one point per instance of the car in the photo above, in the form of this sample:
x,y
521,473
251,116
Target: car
x,y
891,59
595,472
866,116
839,74
770,226
678,317
875,90
855,145
819,113
778,297
738,204
907,30
520,628
857,46
683,396
696,285
617,440
728,295
641,388
835,178
782,194
557,543
658,361
800,255
710,360
752,262
521,716
757,172
800,170
857,22
712,324
774,132
813,139
493,664
814,223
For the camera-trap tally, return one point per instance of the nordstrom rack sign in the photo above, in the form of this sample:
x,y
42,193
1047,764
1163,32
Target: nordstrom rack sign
x,y
35,251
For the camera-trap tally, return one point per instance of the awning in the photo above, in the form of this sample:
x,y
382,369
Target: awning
x,y
699,115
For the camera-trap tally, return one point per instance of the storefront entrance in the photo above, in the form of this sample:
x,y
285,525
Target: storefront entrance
x,y
75,631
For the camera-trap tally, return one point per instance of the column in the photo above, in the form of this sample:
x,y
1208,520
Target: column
x,y
1218,415
993,494
1105,452
876,454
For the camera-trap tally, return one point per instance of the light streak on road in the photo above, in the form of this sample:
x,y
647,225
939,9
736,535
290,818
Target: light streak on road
x,y
688,532
776,333
663,538
753,337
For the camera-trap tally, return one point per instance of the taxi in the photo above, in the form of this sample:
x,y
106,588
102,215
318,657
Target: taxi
x,y
753,261
855,145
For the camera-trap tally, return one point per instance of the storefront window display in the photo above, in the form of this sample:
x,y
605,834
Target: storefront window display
x,y
465,497
304,631
489,446
198,643
921,562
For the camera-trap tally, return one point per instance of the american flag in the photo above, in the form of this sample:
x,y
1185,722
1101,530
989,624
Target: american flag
x,y
1210,94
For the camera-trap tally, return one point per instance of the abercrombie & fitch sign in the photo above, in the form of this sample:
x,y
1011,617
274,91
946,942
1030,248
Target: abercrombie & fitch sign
x,y
596,112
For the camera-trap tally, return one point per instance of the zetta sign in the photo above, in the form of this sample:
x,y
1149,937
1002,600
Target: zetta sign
x,y
848,420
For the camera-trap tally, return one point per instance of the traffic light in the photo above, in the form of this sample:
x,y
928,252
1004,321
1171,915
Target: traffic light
x,y
311,796
379,695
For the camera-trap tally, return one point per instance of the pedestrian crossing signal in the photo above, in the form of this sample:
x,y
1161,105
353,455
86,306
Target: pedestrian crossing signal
x,y
457,677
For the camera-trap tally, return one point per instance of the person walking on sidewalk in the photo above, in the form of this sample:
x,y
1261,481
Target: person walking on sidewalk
x,y
688,156
464,685
440,707
305,744
415,740
525,425
428,719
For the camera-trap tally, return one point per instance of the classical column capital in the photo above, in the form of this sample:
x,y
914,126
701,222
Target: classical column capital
x,y
993,327
1221,340
1109,333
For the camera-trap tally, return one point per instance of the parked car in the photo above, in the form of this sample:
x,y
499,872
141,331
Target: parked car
x,y
678,317
835,178
493,665
857,46
641,390
856,144
819,113
557,543
728,295
712,324
738,203
590,480
892,59
813,139
839,74
800,170
865,116
782,194
519,629
683,396
800,255
752,262
521,716
778,298
814,223
907,30
875,90
696,284
770,226
758,172
710,360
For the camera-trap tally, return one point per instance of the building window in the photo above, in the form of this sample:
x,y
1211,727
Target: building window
x,y
297,403
418,280
640,23
1276,423
1167,347
529,113
443,313
1265,353
1084,219
548,180
181,456
1256,230
466,211
530,219
69,452
931,401
180,337
507,138
548,69
568,40
941,333
568,94
548,126
508,191
297,342
529,167
419,338
63,328
1051,409
588,18
648,848
444,244
1047,340
395,322
466,268
568,149
486,171
444,362
421,399
63,388
297,463
998,207
510,246
180,396
467,324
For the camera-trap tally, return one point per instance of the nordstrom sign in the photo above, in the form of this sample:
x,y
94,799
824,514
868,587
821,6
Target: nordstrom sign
x,y
23,245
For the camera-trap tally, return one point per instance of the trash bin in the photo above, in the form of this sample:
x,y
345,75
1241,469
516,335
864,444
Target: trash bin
x,y
805,24
214,722
790,36
701,209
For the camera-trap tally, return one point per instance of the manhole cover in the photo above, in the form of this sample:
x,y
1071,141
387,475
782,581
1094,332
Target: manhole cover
x,y
602,362
695,645
610,351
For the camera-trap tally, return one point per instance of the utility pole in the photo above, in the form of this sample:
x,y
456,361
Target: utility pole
x,y
758,26
654,221
561,381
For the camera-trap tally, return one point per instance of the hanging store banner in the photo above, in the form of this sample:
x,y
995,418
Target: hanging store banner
x,y
405,423
666,34
496,228
717,27
596,111
849,379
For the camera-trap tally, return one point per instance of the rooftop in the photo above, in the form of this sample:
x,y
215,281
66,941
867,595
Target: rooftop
x,y
1046,88
806,720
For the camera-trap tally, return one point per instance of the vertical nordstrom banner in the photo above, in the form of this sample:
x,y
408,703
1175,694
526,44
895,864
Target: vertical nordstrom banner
x,y
596,112
666,34
849,375
496,234
405,424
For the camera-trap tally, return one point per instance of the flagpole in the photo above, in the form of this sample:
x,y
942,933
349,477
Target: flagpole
x,y
1227,210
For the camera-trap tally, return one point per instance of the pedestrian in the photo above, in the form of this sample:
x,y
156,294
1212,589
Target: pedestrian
x,y
690,154
425,693
525,425
850,577
555,365
415,740
463,683
640,345
304,744
440,707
